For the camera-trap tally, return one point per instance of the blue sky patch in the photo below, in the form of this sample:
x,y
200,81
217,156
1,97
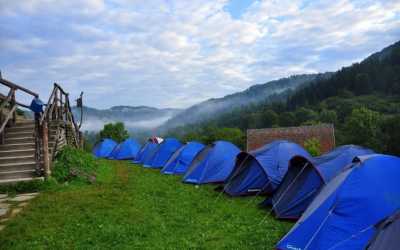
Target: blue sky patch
x,y
237,7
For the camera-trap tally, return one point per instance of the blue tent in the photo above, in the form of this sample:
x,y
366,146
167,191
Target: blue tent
x,y
214,164
306,177
139,155
126,150
262,170
104,148
166,149
168,166
145,148
146,151
180,161
149,154
343,214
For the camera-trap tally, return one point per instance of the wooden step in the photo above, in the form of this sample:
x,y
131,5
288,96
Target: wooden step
x,y
24,124
21,149
16,159
19,140
20,129
17,146
7,175
17,152
25,121
18,166
16,180
19,134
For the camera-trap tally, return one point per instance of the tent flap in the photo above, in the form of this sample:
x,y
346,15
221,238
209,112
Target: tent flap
x,y
262,170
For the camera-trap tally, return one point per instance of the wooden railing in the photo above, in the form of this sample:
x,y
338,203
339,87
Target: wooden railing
x,y
58,113
9,105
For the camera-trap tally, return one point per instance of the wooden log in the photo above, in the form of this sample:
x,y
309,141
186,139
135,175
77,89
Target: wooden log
x,y
13,103
46,159
16,86
81,140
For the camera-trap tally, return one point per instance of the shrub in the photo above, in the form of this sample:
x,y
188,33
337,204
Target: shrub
x,y
115,131
363,128
313,146
74,164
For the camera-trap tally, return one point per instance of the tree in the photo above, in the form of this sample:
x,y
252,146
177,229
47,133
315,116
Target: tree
x,y
362,127
269,118
254,120
328,116
234,135
342,106
391,138
115,131
304,114
211,134
362,84
287,119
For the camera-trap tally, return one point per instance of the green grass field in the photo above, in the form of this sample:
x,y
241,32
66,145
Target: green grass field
x,y
135,208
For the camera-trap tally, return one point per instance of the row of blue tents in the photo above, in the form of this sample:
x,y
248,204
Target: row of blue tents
x,y
337,198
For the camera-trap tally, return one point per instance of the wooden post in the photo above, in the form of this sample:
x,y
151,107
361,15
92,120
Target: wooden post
x,y
46,159
81,140
13,102
55,103
60,110
1,122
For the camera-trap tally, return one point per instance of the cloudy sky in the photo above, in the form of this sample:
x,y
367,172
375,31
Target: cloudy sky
x,y
168,53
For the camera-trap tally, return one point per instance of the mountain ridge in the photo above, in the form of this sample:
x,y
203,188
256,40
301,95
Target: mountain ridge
x,y
254,94
151,118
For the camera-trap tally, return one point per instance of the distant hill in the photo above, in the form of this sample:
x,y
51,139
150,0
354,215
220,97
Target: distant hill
x,y
144,118
135,118
253,95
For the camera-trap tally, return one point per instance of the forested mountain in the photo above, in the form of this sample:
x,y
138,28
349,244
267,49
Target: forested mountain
x,y
362,100
274,90
379,73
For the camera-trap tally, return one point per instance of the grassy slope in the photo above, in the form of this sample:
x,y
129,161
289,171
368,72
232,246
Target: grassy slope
x,y
136,208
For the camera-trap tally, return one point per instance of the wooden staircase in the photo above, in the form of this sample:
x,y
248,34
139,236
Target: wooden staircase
x,y
17,153
27,146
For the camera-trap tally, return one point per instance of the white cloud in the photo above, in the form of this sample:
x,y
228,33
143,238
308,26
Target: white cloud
x,y
33,7
22,46
176,53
